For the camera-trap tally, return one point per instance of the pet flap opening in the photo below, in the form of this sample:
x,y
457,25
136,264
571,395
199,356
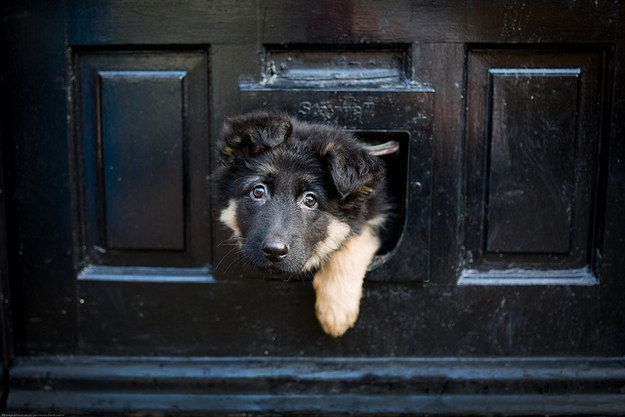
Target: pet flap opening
x,y
392,148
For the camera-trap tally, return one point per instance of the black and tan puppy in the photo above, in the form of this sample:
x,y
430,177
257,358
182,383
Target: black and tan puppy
x,y
303,197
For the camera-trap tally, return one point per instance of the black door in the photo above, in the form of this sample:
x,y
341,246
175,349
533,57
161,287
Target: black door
x,y
499,289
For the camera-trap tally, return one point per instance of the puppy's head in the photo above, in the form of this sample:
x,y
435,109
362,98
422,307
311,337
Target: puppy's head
x,y
292,196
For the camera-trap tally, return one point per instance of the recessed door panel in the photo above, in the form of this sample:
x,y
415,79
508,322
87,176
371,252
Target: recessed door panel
x,y
531,175
141,115
144,161
532,152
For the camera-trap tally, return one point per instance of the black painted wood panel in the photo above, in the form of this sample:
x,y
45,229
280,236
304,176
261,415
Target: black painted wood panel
x,y
532,162
347,22
39,179
362,386
6,325
531,176
143,160
141,119
252,317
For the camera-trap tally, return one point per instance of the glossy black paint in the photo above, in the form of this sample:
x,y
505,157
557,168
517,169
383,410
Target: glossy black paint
x,y
142,157
434,386
527,324
6,326
532,152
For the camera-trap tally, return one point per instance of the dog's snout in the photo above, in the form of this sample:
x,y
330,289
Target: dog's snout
x,y
274,250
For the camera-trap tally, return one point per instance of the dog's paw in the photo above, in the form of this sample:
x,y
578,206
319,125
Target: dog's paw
x,y
336,316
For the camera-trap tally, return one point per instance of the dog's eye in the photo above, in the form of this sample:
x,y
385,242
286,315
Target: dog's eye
x,y
310,200
258,191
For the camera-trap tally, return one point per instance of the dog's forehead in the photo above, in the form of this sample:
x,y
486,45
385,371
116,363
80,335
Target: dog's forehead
x,y
294,165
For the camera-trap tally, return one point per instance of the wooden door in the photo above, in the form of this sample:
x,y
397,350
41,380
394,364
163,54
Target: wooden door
x,y
499,289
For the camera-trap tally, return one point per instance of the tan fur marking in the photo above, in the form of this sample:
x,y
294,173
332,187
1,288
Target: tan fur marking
x,y
377,221
336,235
229,217
308,178
327,148
338,284
268,169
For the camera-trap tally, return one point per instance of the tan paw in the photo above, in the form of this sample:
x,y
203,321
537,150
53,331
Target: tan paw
x,y
336,317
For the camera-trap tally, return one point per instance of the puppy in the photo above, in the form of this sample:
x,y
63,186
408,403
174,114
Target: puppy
x,y
304,198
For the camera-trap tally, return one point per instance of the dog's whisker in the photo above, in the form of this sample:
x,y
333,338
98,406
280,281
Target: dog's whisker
x,y
309,275
226,242
224,257
236,259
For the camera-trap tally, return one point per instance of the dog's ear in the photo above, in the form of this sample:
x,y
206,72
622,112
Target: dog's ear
x,y
354,171
250,134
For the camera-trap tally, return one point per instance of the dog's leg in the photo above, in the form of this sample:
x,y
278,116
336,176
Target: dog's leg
x,y
338,284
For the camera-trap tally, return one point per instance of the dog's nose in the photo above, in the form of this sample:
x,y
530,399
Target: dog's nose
x,y
274,250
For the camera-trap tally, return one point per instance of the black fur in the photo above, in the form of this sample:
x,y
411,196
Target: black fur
x,y
291,158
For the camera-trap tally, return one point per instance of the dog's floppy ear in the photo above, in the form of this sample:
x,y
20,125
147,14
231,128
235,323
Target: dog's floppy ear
x,y
250,134
354,171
